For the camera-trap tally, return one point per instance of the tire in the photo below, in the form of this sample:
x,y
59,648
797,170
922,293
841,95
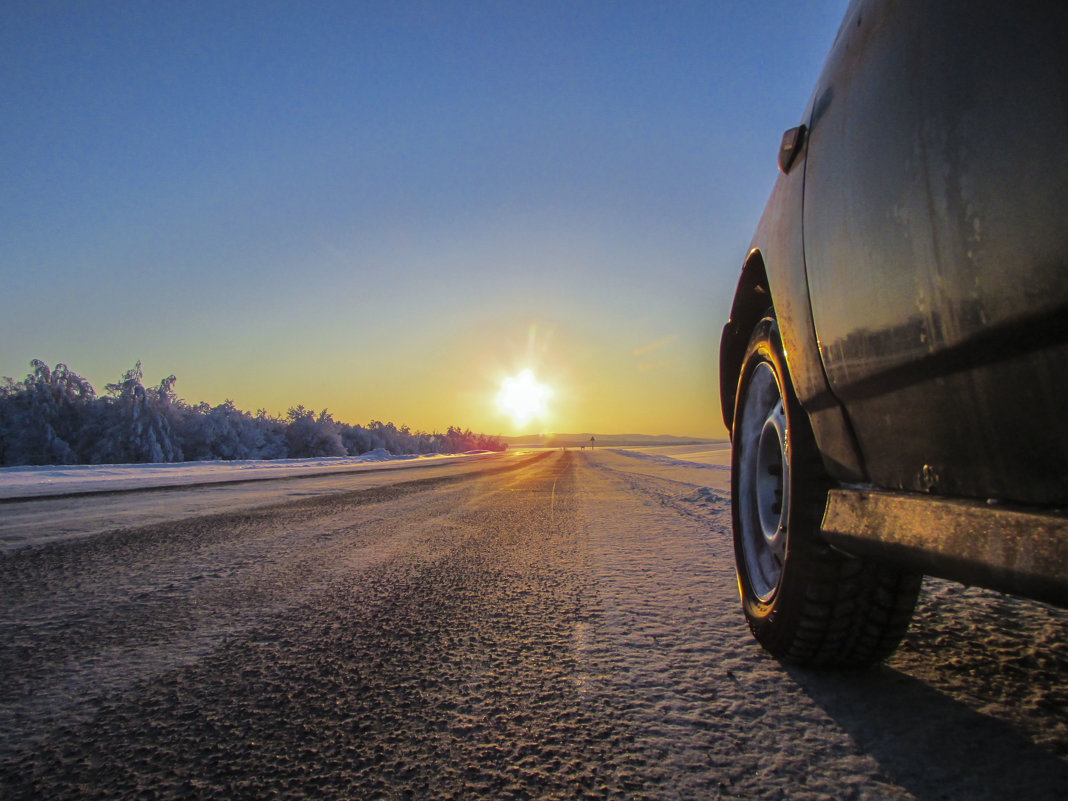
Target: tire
x,y
805,602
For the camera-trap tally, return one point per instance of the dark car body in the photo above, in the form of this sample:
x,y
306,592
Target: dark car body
x,y
915,253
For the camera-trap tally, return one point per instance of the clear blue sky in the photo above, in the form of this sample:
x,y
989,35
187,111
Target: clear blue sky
x,y
384,208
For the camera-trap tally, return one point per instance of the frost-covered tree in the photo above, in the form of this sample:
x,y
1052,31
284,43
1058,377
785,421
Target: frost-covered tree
x,y
226,432
356,440
133,429
43,419
54,416
308,435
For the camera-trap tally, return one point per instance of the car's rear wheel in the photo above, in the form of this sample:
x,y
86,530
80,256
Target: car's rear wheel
x,y
804,601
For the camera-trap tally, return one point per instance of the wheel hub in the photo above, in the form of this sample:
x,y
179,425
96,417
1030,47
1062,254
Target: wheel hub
x,y
770,466
764,481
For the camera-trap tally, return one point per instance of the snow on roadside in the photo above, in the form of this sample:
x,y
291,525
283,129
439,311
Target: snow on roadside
x,y
714,458
974,704
704,470
33,482
716,453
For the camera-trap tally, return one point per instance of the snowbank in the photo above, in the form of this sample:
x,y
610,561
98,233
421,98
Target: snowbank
x,y
32,482
700,456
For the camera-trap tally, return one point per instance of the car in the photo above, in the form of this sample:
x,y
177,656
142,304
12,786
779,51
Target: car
x,y
894,371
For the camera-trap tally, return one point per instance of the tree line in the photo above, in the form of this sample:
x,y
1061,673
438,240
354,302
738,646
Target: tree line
x,y
54,416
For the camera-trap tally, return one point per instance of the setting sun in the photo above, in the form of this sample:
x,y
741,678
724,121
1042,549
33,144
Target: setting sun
x,y
522,397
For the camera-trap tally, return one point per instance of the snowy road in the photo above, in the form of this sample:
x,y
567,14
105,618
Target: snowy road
x,y
27,516
563,627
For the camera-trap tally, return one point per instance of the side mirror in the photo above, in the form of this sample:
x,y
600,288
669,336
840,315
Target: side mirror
x,y
792,142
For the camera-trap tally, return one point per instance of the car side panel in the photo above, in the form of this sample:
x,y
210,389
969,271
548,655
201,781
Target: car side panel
x,y
777,252
936,243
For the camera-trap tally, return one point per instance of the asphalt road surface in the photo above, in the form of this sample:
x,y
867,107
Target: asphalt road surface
x,y
559,626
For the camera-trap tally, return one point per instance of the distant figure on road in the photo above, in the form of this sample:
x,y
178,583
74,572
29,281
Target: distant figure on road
x,y
593,440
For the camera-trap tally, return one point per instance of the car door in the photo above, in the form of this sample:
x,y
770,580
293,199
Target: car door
x,y
936,235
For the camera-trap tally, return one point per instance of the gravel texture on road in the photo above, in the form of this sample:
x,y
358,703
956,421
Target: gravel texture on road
x,y
565,628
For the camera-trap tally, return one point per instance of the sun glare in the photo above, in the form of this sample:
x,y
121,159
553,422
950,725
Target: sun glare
x,y
522,397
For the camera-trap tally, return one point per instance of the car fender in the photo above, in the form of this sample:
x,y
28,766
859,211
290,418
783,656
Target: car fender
x,y
773,275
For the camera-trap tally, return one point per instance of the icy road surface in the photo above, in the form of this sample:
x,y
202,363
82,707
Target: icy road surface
x,y
563,625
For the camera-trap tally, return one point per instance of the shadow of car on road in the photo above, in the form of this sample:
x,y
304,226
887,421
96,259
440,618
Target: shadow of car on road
x,y
931,744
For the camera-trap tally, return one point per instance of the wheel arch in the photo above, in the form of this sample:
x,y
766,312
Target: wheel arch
x,y
752,299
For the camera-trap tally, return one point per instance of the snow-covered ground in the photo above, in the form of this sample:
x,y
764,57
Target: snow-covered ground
x,y
80,501
33,482
716,453
567,628
705,468
571,622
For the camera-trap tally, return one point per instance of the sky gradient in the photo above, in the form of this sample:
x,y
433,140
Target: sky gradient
x,y
385,209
